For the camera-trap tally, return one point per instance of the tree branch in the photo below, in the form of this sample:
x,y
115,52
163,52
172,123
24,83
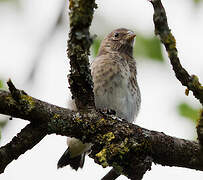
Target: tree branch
x,y
128,148
200,129
23,141
116,143
190,81
80,80
162,30
111,175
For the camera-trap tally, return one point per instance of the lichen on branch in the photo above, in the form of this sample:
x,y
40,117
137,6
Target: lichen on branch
x,y
116,143
80,80
190,81
164,33
200,129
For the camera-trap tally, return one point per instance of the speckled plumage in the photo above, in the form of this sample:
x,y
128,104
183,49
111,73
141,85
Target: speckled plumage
x,y
115,87
114,76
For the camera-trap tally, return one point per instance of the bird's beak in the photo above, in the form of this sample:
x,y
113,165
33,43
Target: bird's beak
x,y
130,36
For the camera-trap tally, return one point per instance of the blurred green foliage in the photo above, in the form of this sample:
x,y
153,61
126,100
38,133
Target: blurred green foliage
x,y
188,111
2,124
148,47
1,84
95,46
13,1
197,1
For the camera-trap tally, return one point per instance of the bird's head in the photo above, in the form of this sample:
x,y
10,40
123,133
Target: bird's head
x,y
120,40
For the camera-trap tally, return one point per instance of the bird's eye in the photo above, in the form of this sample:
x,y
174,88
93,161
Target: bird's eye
x,y
116,34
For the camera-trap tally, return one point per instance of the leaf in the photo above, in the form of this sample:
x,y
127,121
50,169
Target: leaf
x,y
188,111
148,47
95,46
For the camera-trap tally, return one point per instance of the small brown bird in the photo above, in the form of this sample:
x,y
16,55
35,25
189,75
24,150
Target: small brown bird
x,y
115,87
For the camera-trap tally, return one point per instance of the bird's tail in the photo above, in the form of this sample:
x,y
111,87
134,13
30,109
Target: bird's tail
x,y
74,162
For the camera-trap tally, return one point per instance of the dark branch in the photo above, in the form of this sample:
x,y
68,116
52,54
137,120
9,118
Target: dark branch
x,y
200,129
80,80
111,175
128,148
190,81
166,37
23,141
113,139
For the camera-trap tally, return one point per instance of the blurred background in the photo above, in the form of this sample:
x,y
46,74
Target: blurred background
x,y
33,40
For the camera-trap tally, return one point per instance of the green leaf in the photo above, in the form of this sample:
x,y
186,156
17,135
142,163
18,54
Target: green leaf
x,y
148,47
95,46
188,111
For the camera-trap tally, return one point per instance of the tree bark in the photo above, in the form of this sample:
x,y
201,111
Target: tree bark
x,y
116,143
128,148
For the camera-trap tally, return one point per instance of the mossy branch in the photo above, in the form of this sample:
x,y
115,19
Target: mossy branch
x,y
22,142
200,129
164,33
80,80
190,81
119,144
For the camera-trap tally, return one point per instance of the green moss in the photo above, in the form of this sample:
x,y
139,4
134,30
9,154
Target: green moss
x,y
102,157
28,102
77,118
169,39
196,82
56,116
120,149
118,168
81,12
101,121
25,103
10,101
108,136
200,119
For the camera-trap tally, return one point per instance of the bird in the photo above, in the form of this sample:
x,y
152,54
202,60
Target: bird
x,y
114,76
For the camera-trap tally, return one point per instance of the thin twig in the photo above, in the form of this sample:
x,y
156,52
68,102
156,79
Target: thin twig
x,y
190,81
164,33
